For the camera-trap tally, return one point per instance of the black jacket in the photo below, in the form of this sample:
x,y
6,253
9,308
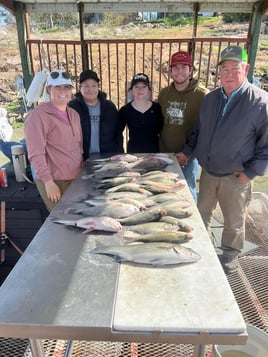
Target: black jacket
x,y
111,139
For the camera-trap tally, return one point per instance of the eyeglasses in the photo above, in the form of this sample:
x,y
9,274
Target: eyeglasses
x,y
55,75
141,76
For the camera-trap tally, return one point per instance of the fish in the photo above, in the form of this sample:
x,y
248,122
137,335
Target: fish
x,y
176,221
120,157
124,157
160,173
150,215
110,166
166,179
148,164
178,213
93,224
158,187
105,173
132,187
154,254
173,203
130,174
159,236
113,181
163,157
141,205
162,197
120,194
113,209
125,200
150,227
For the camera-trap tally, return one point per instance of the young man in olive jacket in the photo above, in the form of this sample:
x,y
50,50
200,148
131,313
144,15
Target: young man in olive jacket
x,y
180,103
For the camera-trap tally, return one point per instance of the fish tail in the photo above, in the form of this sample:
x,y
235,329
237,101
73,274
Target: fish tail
x,y
65,222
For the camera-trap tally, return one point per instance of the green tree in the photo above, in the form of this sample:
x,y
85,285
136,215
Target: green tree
x,y
229,18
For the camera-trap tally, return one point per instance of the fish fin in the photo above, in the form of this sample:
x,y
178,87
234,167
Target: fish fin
x,y
131,234
89,229
156,263
117,259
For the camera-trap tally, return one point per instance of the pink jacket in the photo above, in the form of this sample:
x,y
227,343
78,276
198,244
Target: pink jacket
x,y
54,146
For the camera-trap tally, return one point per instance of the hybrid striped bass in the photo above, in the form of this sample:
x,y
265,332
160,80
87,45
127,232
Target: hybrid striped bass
x,y
159,236
154,254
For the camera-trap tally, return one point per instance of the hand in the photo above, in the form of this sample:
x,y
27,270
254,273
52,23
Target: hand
x,y
53,191
242,178
182,158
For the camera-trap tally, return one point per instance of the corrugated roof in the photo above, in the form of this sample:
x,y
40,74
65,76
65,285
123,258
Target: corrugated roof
x,y
101,6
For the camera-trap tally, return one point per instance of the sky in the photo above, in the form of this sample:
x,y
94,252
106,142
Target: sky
x,y
1,17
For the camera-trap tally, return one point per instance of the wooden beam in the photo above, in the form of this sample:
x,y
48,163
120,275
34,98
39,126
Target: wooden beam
x,y
254,34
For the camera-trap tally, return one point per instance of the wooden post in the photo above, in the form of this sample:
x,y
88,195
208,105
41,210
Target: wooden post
x,y
253,36
84,48
21,31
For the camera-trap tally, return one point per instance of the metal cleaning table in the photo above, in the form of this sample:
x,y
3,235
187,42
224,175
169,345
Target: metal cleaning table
x,y
60,290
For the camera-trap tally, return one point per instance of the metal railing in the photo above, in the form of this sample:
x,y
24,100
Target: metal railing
x,y
116,61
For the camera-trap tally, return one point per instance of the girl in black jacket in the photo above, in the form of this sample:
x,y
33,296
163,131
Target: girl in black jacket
x,y
98,116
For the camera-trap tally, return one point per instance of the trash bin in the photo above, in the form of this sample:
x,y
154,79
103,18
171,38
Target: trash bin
x,y
257,345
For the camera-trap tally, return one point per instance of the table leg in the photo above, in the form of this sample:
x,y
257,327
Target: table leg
x,y
37,348
199,351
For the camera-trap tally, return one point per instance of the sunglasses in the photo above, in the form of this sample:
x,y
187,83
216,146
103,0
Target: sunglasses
x,y
141,76
55,75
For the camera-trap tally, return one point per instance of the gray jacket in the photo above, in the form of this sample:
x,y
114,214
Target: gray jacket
x,y
232,135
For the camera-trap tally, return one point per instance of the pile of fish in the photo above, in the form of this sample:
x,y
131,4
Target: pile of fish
x,y
134,197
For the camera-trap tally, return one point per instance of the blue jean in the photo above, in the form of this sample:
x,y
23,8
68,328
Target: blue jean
x,y
190,172
5,146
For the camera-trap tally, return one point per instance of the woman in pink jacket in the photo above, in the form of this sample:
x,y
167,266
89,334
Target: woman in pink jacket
x,y
54,140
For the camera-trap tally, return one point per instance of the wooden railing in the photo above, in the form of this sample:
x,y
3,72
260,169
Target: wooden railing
x,y
116,61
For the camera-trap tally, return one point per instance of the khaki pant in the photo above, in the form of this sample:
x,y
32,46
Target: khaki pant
x,y
62,184
233,198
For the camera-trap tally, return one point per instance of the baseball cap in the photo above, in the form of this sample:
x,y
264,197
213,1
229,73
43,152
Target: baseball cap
x,y
88,74
181,57
234,53
57,77
140,77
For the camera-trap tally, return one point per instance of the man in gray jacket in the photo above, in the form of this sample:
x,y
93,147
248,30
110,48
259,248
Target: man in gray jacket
x,y
231,145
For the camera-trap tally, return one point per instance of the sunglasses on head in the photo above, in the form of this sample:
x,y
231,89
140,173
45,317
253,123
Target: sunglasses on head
x,y
55,75
140,76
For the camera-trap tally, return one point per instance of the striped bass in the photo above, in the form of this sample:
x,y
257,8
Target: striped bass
x,y
150,215
178,213
162,197
175,203
154,254
150,227
159,187
132,187
92,224
119,157
176,221
159,236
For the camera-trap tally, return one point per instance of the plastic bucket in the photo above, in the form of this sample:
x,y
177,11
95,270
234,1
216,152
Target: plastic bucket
x,y
257,345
